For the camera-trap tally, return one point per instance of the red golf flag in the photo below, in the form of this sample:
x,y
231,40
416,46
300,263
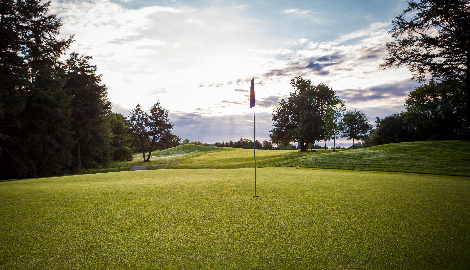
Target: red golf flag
x,y
252,93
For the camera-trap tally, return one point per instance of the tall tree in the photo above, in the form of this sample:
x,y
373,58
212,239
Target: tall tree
x,y
122,137
35,136
168,140
391,129
355,125
90,107
158,125
432,37
300,118
433,110
332,118
138,123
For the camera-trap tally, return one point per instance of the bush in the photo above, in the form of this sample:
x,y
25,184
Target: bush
x,y
122,154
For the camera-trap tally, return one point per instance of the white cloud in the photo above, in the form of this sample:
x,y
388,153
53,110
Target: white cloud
x,y
200,59
141,50
147,42
298,11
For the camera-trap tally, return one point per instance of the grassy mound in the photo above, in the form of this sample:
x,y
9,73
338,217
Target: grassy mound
x,y
208,219
187,149
161,159
432,157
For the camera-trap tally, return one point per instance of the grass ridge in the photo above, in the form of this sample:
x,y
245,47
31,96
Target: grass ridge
x,y
430,157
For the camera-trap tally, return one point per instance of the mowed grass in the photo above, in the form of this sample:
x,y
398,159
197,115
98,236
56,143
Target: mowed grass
x,y
433,157
238,158
429,157
209,219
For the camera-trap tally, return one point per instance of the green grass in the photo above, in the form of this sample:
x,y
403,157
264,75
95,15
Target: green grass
x,y
197,211
161,159
238,158
208,219
433,157
430,157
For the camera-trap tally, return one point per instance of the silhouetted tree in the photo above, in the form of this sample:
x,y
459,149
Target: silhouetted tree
x,y
122,137
168,140
267,145
332,118
138,124
157,125
35,110
300,118
435,109
432,37
391,129
355,125
90,107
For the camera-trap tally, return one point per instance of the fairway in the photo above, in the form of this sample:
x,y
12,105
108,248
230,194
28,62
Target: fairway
x,y
208,219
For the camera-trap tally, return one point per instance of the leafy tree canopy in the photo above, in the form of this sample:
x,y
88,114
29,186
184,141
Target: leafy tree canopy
x,y
435,109
151,130
432,37
355,125
90,106
300,118
35,109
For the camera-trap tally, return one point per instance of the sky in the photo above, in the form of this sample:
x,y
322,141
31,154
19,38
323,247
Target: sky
x,y
197,57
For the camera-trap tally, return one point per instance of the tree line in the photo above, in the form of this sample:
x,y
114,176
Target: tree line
x,y
55,116
431,39
314,113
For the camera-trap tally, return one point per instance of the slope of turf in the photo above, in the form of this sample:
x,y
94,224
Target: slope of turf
x,y
208,219
162,159
433,157
238,158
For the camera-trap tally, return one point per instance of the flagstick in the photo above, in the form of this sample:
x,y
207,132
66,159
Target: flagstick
x,y
254,145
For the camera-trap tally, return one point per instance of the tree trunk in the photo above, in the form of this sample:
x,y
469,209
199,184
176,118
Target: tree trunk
x,y
143,150
302,146
334,142
353,143
152,144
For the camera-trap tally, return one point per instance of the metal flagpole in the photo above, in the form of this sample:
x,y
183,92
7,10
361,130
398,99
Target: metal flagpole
x,y
254,145
252,104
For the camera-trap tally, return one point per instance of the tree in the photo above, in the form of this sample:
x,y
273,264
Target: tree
x,y
157,125
267,145
331,118
355,125
391,129
89,109
122,137
35,114
168,140
28,41
138,124
300,118
435,41
435,109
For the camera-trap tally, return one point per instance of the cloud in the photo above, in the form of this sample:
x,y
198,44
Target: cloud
x,y
118,108
176,53
351,61
298,12
241,90
197,127
271,101
393,94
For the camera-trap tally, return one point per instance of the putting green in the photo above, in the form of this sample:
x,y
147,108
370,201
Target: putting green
x,y
207,218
